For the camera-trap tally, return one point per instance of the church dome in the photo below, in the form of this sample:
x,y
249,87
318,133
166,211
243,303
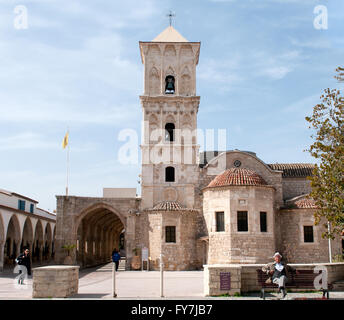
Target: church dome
x,y
237,177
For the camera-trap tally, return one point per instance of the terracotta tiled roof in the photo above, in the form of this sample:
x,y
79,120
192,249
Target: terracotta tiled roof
x,y
237,177
291,170
170,206
301,202
305,203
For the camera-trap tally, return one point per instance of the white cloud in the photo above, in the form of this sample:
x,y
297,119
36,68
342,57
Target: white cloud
x,y
277,72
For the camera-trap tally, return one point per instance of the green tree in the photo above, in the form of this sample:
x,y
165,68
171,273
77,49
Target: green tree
x,y
340,74
327,181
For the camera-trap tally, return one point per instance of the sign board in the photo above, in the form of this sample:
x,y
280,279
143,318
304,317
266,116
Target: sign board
x,y
225,281
144,254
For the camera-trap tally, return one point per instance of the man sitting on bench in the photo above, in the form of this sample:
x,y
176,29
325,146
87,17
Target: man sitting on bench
x,y
278,272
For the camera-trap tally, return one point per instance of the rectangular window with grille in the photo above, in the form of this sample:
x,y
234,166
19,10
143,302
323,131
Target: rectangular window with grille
x,y
220,221
308,233
170,234
263,222
242,221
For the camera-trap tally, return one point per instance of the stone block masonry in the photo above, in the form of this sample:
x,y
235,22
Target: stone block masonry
x,y
212,279
244,276
55,281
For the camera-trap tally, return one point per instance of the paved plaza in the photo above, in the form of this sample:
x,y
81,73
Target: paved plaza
x,y
96,283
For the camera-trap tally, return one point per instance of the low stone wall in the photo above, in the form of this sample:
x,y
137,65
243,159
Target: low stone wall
x,y
55,281
245,276
212,276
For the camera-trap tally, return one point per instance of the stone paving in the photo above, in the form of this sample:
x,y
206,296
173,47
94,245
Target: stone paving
x,y
96,283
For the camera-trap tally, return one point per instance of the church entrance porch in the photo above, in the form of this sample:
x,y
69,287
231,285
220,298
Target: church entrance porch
x,y
95,227
99,233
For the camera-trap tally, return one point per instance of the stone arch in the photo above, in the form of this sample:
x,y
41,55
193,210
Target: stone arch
x,y
2,242
153,51
98,230
154,81
27,237
170,51
186,51
37,247
187,121
170,119
2,229
170,72
153,126
12,240
48,238
185,82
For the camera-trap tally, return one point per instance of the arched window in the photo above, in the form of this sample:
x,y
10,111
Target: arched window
x,y
169,132
169,174
169,85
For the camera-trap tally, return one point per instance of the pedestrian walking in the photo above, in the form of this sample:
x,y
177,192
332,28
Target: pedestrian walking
x,y
24,265
116,257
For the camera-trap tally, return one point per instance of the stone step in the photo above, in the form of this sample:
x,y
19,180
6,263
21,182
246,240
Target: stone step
x,y
121,266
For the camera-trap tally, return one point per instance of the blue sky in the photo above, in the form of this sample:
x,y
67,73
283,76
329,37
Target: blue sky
x,y
262,68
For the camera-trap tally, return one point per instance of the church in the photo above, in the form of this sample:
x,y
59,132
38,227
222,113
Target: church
x,y
195,208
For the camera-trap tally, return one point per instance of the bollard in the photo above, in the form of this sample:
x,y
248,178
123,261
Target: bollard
x,y
114,280
161,277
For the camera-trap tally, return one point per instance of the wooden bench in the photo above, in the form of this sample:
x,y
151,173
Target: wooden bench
x,y
303,280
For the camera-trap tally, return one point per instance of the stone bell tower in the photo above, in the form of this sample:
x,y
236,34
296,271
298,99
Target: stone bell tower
x,y
169,147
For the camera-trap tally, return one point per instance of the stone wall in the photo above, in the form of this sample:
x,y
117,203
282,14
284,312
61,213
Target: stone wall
x,y
226,160
211,280
231,245
245,276
55,281
291,243
181,255
293,187
335,272
71,212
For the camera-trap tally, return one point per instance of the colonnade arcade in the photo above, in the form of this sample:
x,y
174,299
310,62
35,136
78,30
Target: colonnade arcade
x,y
19,231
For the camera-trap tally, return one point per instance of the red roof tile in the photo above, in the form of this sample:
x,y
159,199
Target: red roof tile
x,y
237,177
169,206
305,203
291,170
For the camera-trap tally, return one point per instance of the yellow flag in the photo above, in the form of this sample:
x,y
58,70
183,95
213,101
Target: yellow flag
x,y
65,141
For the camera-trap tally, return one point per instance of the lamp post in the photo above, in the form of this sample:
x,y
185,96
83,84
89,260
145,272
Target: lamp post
x,y
114,294
329,241
161,277
161,261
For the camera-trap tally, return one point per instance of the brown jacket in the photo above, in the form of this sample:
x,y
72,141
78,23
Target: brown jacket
x,y
271,267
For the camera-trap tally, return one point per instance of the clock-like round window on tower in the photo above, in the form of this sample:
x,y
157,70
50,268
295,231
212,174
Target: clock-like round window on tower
x,y
237,163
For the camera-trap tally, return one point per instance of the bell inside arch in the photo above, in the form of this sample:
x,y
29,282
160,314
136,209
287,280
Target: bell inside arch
x,y
169,86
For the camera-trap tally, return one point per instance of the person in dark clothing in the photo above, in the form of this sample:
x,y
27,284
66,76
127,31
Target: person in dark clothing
x,y
24,264
116,257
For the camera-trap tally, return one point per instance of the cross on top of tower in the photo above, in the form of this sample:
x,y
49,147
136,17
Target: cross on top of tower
x,y
170,16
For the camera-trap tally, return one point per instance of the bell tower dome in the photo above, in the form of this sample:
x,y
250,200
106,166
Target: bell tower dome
x,y
169,103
